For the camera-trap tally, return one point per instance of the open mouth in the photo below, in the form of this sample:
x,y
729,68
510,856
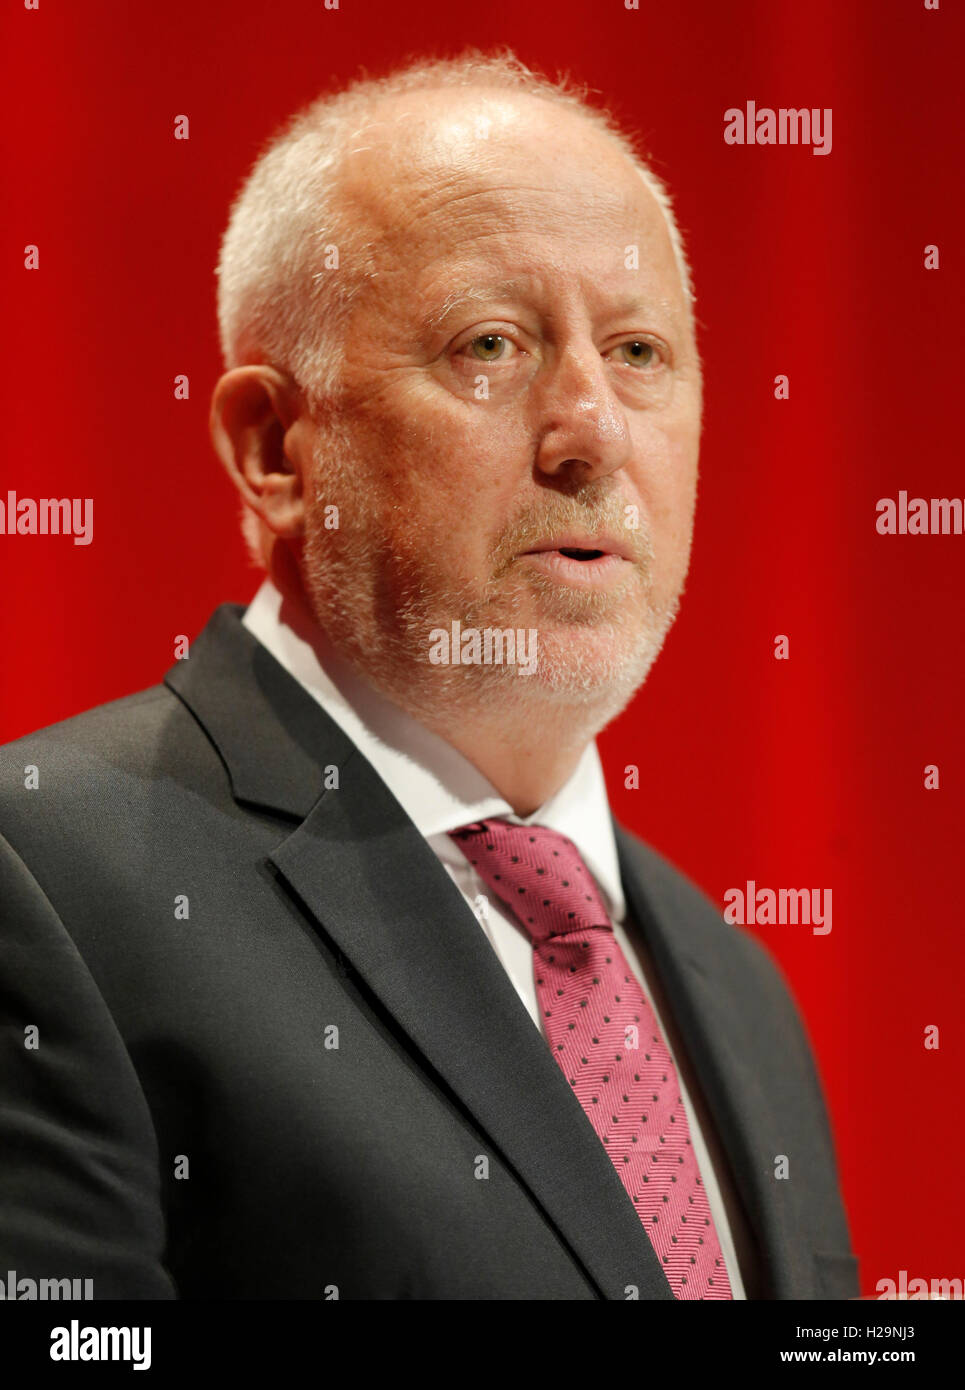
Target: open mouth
x,y
581,566
573,553
586,547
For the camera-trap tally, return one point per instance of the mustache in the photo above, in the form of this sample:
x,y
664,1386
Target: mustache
x,y
591,511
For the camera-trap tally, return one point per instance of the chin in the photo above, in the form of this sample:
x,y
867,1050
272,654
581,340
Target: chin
x,y
587,670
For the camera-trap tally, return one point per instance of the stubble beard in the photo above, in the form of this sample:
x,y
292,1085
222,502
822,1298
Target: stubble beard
x,y
378,608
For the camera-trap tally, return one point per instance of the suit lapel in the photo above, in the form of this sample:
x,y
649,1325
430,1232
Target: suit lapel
x,y
380,893
702,1007
376,890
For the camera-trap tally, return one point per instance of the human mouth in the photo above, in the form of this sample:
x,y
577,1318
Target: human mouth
x,y
585,561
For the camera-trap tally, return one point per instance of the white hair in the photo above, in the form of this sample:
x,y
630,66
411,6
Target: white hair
x,y
276,303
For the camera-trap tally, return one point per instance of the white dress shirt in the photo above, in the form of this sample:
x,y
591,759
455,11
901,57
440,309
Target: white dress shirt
x,y
440,791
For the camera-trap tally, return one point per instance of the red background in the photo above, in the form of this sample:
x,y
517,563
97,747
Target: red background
x,y
807,772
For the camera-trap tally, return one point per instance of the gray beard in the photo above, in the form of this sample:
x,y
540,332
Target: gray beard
x,y
378,612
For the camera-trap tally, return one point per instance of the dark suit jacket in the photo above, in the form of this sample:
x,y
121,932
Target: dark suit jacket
x,y
186,1126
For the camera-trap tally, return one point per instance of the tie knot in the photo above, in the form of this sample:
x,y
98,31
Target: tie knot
x,y
538,873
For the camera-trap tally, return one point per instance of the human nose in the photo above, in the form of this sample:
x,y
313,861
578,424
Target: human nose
x,y
582,425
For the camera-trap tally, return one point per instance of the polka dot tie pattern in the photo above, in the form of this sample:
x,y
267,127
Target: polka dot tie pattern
x,y
605,1037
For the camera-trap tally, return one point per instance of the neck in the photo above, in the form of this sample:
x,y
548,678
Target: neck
x,y
525,774
525,770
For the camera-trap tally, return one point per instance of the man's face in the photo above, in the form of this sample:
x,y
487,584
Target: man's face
x,y
517,437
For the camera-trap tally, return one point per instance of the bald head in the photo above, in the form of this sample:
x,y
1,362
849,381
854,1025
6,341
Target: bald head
x,y
293,257
431,154
480,197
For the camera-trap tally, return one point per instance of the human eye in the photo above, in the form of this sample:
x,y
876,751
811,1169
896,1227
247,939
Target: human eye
x,y
488,347
645,354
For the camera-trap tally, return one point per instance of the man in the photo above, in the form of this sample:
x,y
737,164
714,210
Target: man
x,y
327,973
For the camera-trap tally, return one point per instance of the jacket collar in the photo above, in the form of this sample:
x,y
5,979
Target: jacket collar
x,y
272,737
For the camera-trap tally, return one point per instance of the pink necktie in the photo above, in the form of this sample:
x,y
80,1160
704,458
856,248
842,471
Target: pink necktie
x,y
606,1039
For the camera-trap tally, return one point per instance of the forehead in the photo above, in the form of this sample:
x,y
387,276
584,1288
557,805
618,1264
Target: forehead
x,y
440,180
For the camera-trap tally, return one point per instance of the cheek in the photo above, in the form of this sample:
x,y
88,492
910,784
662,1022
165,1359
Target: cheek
x,y
449,468
667,482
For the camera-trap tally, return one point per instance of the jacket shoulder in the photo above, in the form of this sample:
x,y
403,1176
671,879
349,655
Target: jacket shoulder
x,y
117,728
57,774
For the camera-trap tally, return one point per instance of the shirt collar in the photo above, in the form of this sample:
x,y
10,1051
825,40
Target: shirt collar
x,y
438,788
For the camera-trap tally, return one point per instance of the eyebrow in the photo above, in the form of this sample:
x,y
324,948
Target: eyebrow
x,y
520,288
465,299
